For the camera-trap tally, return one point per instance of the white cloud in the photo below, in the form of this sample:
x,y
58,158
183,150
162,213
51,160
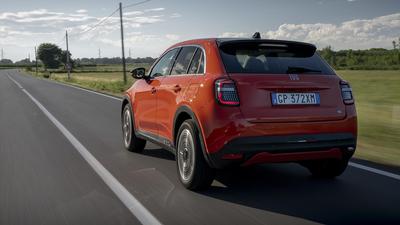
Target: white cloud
x,y
43,21
234,35
41,15
114,43
175,15
81,11
172,37
354,34
146,44
133,13
25,29
155,10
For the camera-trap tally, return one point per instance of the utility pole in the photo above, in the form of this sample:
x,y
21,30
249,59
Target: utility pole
x,y
2,54
68,66
99,53
122,43
130,53
36,62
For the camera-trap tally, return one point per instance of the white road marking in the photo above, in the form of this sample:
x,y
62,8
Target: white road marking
x,y
377,171
136,208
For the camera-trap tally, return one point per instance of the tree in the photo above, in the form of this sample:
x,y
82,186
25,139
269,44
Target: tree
x,y
6,62
398,50
63,58
23,62
329,55
50,55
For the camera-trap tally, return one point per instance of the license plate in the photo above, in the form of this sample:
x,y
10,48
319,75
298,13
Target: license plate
x,y
295,99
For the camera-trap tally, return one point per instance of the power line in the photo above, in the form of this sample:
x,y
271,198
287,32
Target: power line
x,y
122,42
60,42
36,62
122,34
67,64
100,22
135,4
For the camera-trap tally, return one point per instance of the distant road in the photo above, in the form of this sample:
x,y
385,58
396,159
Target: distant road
x,y
46,177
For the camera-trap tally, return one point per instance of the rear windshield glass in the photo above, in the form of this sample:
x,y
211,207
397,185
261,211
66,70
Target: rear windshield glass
x,y
263,58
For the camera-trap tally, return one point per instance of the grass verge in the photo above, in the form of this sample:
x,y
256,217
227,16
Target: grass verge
x,y
105,82
377,95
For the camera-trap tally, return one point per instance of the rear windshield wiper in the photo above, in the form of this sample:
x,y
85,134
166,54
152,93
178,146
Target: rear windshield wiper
x,y
301,70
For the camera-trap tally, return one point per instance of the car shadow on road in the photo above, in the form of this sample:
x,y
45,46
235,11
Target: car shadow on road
x,y
289,189
159,153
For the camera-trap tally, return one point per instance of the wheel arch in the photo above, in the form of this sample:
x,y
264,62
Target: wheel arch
x,y
125,101
183,113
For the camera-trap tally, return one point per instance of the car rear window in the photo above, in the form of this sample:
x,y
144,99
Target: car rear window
x,y
267,58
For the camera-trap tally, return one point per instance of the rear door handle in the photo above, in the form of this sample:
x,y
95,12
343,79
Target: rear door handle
x,y
153,90
177,88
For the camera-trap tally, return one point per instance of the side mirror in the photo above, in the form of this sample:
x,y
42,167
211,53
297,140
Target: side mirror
x,y
139,73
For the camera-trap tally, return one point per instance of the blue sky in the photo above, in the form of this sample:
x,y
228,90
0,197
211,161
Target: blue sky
x,y
154,25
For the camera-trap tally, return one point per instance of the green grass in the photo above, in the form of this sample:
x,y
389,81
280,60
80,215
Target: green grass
x,y
109,68
377,96
106,82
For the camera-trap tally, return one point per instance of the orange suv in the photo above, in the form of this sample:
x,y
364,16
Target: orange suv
x,y
217,103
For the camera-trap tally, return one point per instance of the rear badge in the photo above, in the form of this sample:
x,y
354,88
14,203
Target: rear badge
x,y
294,77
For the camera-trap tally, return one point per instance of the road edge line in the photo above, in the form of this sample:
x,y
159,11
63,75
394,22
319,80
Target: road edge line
x,y
134,206
377,171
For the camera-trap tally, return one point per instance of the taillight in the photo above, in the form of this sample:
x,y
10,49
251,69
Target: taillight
x,y
347,93
226,92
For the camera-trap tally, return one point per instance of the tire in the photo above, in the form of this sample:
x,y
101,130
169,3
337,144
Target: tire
x,y
329,168
131,142
193,171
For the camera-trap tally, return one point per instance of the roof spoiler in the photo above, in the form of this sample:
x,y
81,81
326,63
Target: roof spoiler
x,y
302,48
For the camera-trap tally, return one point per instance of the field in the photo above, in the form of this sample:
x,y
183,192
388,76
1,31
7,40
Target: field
x,y
110,83
105,78
377,96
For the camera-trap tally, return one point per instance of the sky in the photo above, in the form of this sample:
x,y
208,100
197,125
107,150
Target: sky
x,y
153,26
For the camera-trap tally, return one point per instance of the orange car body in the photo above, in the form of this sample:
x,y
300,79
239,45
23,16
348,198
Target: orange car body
x,y
253,131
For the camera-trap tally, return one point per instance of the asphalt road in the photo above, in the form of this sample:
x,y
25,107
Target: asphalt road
x,y
45,180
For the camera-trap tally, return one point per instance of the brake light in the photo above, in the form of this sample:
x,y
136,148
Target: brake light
x,y
347,93
226,92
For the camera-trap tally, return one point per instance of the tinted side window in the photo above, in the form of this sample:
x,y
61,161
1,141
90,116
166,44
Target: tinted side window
x,y
197,65
163,66
183,60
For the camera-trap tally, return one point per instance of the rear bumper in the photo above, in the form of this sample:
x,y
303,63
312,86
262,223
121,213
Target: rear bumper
x,y
287,148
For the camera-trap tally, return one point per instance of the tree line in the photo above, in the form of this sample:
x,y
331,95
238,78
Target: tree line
x,y
371,59
53,57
